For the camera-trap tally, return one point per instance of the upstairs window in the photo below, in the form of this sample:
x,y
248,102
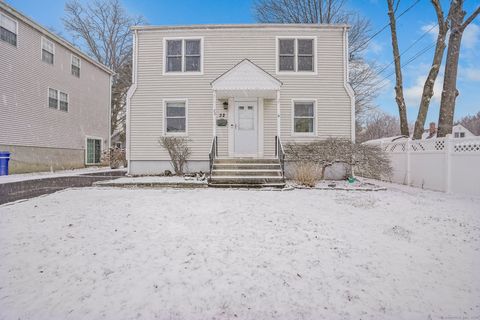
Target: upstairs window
x,y
296,55
175,117
8,29
76,66
48,51
183,55
304,117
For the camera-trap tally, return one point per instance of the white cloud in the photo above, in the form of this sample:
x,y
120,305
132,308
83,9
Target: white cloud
x,y
471,36
375,47
413,94
432,29
469,73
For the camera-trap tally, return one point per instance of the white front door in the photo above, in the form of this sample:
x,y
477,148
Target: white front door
x,y
246,128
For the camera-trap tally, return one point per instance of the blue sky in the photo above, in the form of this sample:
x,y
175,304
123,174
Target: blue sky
x,y
411,26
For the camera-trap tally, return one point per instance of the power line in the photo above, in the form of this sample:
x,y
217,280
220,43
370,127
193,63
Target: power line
x,y
415,57
404,51
388,24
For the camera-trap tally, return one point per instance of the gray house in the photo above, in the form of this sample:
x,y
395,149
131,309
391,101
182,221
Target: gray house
x,y
238,93
54,99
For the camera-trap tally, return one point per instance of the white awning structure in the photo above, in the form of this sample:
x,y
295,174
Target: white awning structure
x,y
246,80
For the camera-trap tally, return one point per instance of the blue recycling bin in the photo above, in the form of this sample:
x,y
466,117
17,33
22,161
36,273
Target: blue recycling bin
x,y
4,158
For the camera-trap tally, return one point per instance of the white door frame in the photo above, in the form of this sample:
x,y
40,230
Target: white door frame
x,y
259,128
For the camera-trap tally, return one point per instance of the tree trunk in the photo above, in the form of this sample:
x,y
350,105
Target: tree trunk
x,y
432,75
402,108
450,92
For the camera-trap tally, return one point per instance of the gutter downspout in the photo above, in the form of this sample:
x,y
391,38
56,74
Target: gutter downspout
x,y
130,93
346,82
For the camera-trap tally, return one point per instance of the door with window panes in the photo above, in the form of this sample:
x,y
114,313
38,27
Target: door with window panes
x,y
94,150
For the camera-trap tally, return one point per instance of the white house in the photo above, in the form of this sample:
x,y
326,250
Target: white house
x,y
236,92
54,99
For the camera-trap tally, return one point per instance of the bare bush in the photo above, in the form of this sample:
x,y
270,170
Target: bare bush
x,y
306,173
178,150
114,157
366,160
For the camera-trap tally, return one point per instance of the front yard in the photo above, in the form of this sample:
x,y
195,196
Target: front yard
x,y
97,253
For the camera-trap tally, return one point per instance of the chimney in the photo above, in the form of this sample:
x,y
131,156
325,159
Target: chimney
x,y
432,131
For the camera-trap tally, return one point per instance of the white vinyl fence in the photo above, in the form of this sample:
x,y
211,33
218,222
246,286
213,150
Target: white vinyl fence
x,y
441,164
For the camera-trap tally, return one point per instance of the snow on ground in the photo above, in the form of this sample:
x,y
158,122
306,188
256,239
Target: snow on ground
x,y
54,174
154,180
240,254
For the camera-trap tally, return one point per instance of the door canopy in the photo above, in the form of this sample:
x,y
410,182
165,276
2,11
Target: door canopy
x,y
246,80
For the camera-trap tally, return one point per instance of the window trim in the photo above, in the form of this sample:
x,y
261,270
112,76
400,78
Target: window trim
x,y
175,134
86,149
59,100
295,71
41,51
79,65
315,119
16,28
183,72
48,98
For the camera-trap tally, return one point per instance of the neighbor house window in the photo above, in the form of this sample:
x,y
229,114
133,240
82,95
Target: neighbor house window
x,y
8,29
63,101
53,98
48,51
76,66
94,150
57,99
304,117
175,117
183,55
296,55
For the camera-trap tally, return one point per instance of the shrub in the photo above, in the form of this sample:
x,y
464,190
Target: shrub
x,y
114,157
178,150
306,173
367,160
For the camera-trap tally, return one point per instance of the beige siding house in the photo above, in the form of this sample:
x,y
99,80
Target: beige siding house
x,y
235,90
54,99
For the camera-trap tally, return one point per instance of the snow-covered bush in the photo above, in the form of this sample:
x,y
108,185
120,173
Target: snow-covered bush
x,y
114,157
178,150
366,160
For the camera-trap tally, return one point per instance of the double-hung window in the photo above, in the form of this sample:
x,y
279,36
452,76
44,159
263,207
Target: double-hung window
x,y
304,117
76,66
57,99
63,101
8,29
183,55
53,98
48,51
296,55
175,117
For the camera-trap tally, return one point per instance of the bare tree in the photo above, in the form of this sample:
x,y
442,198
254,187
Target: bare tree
x,y
399,98
472,123
103,29
434,69
379,125
450,92
363,75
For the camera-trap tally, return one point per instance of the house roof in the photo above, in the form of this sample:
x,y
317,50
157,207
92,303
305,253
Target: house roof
x,y
245,76
20,16
246,26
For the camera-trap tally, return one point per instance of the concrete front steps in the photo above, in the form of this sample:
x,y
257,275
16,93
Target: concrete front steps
x,y
246,173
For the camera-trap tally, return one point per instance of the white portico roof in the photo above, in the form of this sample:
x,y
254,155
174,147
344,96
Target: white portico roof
x,y
246,79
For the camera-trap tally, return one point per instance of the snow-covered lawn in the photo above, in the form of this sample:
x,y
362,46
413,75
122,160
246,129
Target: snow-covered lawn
x,y
100,253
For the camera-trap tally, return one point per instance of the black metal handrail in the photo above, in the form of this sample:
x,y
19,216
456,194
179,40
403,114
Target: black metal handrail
x,y
213,153
280,153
